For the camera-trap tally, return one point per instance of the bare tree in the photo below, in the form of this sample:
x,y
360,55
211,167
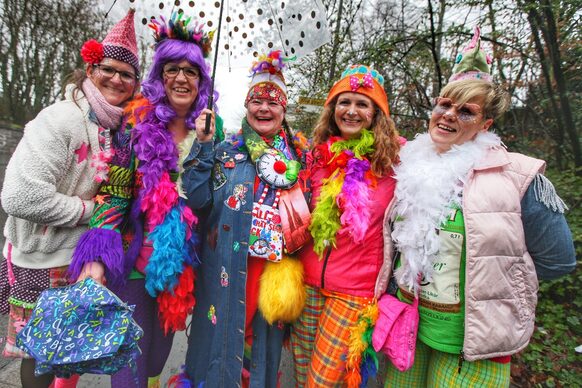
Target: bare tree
x,y
536,58
39,47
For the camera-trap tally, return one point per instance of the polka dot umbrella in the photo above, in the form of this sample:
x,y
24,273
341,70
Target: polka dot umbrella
x,y
249,27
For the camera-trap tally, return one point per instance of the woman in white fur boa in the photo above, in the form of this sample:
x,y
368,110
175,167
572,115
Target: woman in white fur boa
x,y
480,225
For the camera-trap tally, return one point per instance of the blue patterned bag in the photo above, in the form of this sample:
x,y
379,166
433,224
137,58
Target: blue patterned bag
x,y
81,328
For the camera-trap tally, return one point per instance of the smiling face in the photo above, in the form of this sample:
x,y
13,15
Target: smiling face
x,y
265,116
353,112
114,89
452,123
181,84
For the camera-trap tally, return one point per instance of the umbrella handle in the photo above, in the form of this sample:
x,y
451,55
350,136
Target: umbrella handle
x,y
211,97
208,115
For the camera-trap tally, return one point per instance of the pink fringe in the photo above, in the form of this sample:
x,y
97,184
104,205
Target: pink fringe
x,y
356,211
354,199
159,201
101,164
190,219
11,277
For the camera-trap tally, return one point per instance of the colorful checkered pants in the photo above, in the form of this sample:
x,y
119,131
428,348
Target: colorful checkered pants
x,y
319,338
439,369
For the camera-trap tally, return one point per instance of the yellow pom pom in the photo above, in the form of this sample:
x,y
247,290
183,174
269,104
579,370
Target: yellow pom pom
x,y
282,292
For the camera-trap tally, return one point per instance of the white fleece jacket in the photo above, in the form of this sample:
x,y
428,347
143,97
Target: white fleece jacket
x,y
49,187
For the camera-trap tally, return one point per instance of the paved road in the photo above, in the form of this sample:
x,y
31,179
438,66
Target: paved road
x,y
10,369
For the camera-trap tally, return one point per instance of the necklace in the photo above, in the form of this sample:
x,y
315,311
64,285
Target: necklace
x,y
273,167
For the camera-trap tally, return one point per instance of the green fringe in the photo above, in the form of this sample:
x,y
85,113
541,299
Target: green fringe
x,y
325,219
20,303
364,145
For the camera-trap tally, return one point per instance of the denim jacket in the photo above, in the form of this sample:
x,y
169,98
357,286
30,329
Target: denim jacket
x,y
219,185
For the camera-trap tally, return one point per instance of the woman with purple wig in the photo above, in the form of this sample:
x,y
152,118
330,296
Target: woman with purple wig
x,y
141,240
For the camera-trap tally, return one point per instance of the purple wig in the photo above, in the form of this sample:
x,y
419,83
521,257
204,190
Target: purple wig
x,y
174,50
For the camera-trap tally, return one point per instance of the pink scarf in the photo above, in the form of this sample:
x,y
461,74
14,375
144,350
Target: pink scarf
x,y
109,116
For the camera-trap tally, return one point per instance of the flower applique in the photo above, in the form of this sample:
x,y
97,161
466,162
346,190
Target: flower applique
x,y
212,314
223,277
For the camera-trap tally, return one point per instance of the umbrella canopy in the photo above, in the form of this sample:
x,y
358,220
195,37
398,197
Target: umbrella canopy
x,y
249,27
81,328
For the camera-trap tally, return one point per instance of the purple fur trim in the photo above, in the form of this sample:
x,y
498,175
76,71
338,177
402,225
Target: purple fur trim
x,y
102,245
136,221
156,150
356,199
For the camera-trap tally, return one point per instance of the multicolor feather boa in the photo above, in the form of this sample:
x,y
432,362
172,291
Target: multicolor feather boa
x,y
170,222
344,202
362,359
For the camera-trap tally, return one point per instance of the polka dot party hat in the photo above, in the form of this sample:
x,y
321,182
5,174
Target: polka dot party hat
x,y
120,43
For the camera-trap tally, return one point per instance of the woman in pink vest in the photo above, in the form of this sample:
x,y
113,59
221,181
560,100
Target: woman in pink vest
x,y
355,146
480,225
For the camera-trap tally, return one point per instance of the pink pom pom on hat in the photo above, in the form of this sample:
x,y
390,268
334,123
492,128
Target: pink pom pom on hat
x,y
120,44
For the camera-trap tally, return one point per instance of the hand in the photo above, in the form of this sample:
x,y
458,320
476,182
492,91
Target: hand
x,y
95,270
201,126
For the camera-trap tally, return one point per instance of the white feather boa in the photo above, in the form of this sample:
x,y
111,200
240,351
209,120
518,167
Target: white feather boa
x,y
428,184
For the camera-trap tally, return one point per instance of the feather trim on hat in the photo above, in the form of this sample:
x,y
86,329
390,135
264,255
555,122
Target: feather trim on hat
x,y
176,28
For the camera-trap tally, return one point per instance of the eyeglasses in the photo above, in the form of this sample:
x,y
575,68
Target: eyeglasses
x,y
109,72
466,112
259,102
172,71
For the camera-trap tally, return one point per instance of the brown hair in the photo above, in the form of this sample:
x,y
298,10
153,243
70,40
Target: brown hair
x,y
77,77
386,138
495,99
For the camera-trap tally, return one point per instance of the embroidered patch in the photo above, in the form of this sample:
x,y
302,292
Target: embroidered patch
x,y
229,164
82,152
236,246
239,156
218,177
212,238
223,277
212,314
237,198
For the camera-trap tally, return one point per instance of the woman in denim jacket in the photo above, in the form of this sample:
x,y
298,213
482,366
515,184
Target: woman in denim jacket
x,y
236,187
